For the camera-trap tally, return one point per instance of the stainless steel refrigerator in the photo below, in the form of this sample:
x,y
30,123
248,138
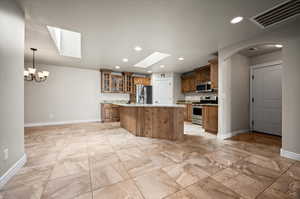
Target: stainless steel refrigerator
x,y
143,94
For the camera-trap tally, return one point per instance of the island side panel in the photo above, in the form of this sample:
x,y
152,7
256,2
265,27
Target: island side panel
x,y
162,123
128,119
148,122
178,123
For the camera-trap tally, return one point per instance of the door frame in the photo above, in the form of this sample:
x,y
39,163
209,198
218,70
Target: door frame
x,y
252,67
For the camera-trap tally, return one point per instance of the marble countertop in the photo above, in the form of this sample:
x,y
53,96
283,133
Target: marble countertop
x,y
209,104
151,105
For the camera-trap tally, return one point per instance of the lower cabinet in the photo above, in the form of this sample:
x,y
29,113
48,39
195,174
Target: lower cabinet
x,y
110,113
188,112
210,118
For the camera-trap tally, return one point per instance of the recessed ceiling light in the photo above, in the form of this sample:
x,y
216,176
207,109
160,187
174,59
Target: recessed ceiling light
x,y
162,66
125,60
278,46
152,59
117,67
149,71
138,48
236,20
180,58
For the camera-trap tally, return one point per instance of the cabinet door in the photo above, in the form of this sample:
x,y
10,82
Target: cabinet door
x,y
214,72
106,82
210,119
185,113
192,84
183,85
190,112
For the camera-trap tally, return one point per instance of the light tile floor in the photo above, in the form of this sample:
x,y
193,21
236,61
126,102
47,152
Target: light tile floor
x,y
104,161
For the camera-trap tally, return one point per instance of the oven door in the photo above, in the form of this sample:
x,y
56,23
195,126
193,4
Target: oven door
x,y
197,111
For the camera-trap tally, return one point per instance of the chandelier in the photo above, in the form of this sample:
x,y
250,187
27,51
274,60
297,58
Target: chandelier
x,y
31,74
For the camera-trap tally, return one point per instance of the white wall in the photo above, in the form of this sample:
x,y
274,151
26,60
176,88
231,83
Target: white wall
x,y
234,84
240,93
69,95
288,35
269,57
11,84
291,97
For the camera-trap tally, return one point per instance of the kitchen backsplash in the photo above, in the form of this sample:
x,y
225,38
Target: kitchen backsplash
x,y
196,96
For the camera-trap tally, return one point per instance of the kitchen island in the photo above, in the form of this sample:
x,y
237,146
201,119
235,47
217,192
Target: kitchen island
x,y
154,121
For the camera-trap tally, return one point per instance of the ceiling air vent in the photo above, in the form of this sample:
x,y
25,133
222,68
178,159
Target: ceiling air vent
x,y
278,14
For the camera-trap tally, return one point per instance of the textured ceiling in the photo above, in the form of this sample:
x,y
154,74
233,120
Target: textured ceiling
x,y
193,29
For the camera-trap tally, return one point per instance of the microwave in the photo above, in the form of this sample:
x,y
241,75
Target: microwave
x,y
204,87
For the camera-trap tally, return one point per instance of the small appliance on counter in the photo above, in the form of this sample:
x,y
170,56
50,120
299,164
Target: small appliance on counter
x,y
143,94
197,112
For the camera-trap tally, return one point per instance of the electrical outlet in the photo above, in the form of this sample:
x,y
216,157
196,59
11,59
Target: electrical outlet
x,y
5,151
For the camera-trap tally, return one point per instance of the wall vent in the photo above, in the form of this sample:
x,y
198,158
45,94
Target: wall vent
x,y
278,14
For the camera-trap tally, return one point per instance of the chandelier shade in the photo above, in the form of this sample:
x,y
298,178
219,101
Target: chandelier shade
x,y
31,74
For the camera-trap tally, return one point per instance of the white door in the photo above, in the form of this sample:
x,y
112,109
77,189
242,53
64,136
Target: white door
x,y
267,100
163,91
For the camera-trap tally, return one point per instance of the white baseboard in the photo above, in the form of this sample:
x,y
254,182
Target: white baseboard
x,y
12,171
231,134
60,123
289,154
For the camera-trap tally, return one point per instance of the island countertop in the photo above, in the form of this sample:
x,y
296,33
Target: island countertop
x,y
152,105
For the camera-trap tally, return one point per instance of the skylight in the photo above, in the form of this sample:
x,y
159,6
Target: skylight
x,y
68,42
152,59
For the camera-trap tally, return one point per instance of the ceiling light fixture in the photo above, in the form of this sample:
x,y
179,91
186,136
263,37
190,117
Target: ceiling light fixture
x,y
278,46
162,66
236,20
180,58
138,48
152,59
118,67
31,74
125,60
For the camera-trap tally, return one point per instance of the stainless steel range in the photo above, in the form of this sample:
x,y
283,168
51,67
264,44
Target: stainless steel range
x,y
197,113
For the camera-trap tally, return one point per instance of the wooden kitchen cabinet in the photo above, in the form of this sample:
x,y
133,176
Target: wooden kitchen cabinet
x,y
116,84
110,113
106,81
188,83
146,81
214,73
210,118
202,74
128,82
189,112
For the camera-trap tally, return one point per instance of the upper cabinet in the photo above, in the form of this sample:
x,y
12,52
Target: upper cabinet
x,y
214,73
117,85
146,81
116,82
128,82
188,83
208,73
202,74
106,81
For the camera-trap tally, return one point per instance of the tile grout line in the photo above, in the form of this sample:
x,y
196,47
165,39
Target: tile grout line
x,y
275,180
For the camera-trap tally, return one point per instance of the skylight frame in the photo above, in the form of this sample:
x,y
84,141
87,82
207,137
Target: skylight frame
x,y
152,59
67,42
